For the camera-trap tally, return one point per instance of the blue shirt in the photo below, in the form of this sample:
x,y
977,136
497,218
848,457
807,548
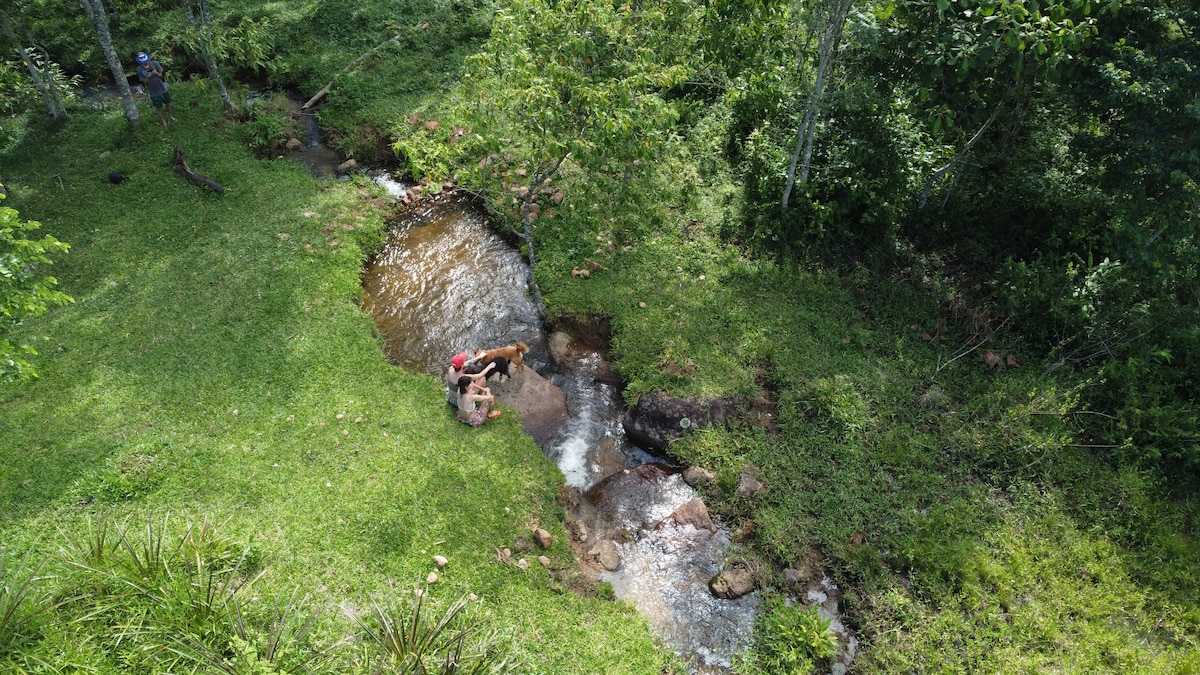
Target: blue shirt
x,y
151,74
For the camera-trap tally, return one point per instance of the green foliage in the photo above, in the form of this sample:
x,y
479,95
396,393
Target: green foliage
x,y
14,91
410,640
837,404
277,643
25,290
19,607
583,80
1101,320
269,126
790,639
426,155
246,44
985,52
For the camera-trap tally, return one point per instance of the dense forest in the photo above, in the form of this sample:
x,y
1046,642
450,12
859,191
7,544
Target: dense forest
x,y
951,245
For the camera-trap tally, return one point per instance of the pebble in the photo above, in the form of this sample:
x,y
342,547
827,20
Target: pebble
x,y
440,561
432,578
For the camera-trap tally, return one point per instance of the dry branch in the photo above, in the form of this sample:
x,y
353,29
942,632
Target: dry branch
x,y
353,64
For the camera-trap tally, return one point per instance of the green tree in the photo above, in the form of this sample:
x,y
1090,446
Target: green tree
x,y
1116,289
827,48
41,77
583,82
203,38
976,60
25,289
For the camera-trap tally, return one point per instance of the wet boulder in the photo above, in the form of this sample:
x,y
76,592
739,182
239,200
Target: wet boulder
x,y
346,167
543,406
694,513
630,489
698,477
559,348
731,584
606,553
658,419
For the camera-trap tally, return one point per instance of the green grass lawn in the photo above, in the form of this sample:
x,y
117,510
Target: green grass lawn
x,y
215,365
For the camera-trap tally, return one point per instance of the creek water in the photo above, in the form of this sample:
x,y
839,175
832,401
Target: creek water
x,y
445,281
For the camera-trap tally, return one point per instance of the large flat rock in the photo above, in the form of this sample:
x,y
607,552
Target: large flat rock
x,y
543,405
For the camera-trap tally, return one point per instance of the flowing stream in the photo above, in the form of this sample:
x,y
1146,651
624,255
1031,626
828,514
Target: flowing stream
x,y
445,282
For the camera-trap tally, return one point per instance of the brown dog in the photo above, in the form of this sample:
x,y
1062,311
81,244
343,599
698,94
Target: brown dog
x,y
512,353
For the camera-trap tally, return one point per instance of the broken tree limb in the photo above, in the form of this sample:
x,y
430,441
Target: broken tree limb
x,y
182,168
353,64
941,173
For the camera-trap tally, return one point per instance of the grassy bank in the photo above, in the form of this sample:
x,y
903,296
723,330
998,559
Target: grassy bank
x,y
215,366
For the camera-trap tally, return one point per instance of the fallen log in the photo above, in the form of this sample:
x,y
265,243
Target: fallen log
x,y
351,66
182,168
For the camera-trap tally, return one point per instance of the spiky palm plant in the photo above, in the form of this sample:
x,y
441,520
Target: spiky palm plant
x,y
18,609
412,641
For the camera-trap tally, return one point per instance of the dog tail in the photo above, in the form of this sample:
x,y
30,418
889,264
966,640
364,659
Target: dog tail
x,y
522,347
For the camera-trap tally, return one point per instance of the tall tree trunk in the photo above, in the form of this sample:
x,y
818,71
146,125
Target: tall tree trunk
x,y
96,13
527,217
827,49
42,87
204,31
51,79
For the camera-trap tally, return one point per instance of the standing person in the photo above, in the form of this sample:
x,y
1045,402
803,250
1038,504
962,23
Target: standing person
x,y
150,72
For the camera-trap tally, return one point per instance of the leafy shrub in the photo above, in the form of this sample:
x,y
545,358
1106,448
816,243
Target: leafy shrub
x,y
1136,338
25,289
269,126
791,639
155,597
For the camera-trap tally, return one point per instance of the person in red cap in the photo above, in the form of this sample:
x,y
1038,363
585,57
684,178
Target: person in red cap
x,y
458,362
